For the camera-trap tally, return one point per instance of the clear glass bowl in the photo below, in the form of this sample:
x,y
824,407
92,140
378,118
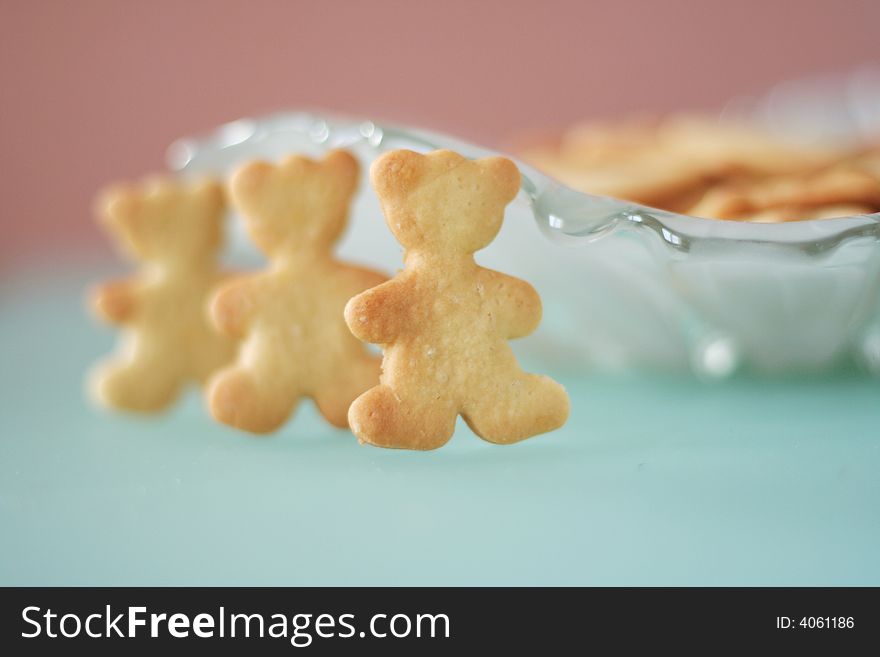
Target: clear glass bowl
x,y
624,286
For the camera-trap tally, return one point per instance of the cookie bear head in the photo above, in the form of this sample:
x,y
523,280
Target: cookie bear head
x,y
165,221
442,202
300,205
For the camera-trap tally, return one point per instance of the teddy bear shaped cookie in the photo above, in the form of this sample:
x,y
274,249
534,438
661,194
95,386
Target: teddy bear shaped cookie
x,y
444,321
295,342
174,229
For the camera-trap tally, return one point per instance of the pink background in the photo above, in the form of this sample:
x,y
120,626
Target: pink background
x,y
93,91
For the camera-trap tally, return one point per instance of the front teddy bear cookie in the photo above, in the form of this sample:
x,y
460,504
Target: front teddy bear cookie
x,y
295,342
174,229
444,321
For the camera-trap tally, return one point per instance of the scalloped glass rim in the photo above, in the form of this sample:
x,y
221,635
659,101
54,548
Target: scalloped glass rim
x,y
564,214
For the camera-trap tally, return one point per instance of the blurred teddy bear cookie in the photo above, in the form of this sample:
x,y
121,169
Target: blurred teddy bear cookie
x,y
289,317
444,321
174,229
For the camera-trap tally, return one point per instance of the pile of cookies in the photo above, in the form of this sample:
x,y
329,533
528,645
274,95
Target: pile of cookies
x,y
262,341
706,168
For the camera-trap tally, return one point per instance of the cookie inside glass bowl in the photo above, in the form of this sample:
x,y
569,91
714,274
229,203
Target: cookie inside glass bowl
x,y
708,168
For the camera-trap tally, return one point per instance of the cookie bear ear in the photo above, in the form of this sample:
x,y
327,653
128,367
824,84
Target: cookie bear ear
x,y
210,194
249,178
397,172
505,175
117,205
343,167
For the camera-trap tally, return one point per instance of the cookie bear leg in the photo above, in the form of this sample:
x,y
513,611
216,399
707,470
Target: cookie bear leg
x,y
334,399
531,404
380,417
236,397
138,385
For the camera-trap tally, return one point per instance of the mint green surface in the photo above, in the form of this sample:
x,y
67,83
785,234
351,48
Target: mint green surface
x,y
653,481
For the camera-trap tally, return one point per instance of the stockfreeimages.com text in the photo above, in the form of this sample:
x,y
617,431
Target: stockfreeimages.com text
x,y
300,629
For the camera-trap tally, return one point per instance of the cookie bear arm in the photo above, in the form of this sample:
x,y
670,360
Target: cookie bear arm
x,y
362,278
116,302
232,306
518,312
377,315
